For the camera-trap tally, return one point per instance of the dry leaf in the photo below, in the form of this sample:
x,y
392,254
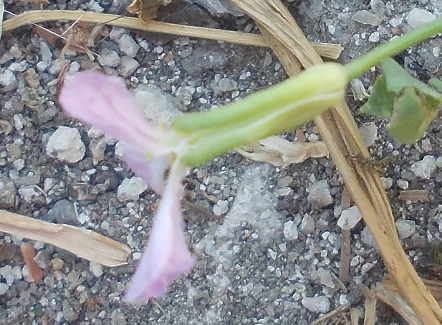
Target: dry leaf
x,y
414,195
146,9
34,270
280,152
84,243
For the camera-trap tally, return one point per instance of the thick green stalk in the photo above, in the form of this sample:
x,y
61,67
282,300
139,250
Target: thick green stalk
x,y
394,47
272,111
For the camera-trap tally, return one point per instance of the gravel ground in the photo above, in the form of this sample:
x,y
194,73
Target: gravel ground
x,y
274,258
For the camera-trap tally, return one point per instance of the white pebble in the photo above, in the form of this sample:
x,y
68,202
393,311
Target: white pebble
x,y
290,230
319,304
131,188
65,144
425,167
418,17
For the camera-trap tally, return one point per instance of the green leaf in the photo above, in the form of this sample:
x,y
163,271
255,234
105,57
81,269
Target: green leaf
x,y
436,83
410,104
411,116
380,103
398,78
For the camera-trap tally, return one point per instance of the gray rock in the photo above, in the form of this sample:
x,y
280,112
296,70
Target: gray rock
x,y
128,45
97,148
369,133
218,7
128,66
226,84
131,188
319,304
204,58
8,192
307,225
3,288
30,195
65,144
118,318
349,218
221,207
319,194
63,211
325,277
70,311
368,18
424,168
109,58
405,228
290,231
8,79
367,237
46,53
96,269
418,17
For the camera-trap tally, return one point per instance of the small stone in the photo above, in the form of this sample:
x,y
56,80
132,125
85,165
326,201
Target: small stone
x,y
226,84
118,318
418,17
128,45
402,183
349,218
367,237
131,188
368,18
8,193
374,37
221,207
378,7
65,144
319,194
8,79
285,181
128,66
63,211
424,168
46,53
109,58
97,148
405,228
57,263
325,277
307,225
96,269
319,304
369,133
29,194
3,288
290,231
70,313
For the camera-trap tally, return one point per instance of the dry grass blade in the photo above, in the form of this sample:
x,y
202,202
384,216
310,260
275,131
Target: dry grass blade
x,y
331,316
83,243
342,137
370,307
387,293
31,17
281,152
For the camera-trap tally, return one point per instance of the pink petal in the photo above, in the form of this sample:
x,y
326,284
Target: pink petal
x,y
166,256
104,102
152,171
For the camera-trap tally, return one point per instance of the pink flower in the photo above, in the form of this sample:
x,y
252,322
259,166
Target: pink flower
x,y
104,102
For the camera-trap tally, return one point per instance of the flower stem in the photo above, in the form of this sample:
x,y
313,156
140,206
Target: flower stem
x,y
389,49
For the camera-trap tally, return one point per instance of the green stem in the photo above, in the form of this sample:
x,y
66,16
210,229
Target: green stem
x,y
389,49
